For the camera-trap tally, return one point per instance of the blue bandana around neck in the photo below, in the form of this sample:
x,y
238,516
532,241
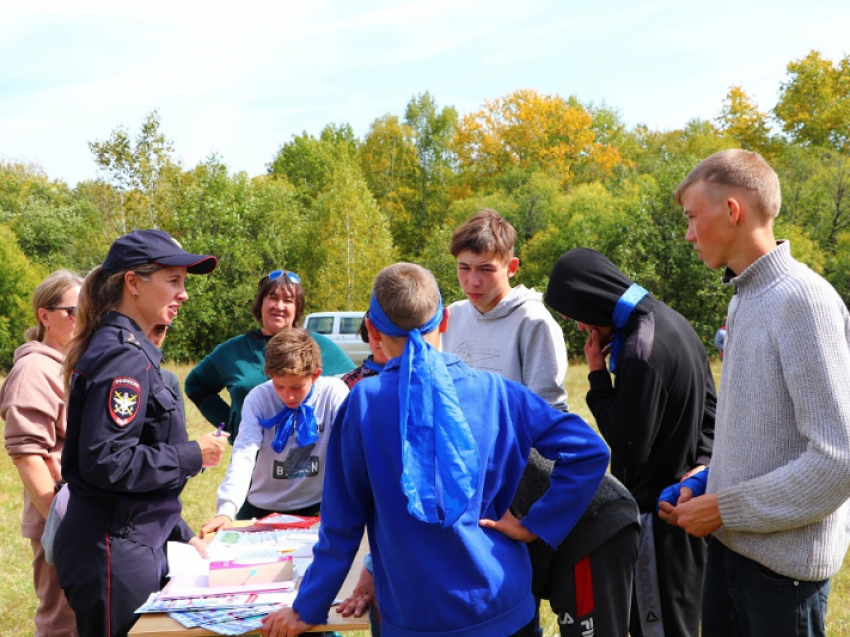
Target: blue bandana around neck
x,y
440,460
301,418
622,311
375,367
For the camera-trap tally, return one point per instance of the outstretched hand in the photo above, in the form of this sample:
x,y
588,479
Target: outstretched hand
x,y
361,597
510,526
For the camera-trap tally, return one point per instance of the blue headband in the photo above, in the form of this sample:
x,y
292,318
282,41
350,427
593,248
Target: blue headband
x,y
302,418
622,311
437,445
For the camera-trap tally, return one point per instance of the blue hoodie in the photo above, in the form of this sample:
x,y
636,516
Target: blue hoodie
x,y
461,580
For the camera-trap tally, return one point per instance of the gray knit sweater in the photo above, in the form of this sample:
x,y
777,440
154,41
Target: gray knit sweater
x,y
781,462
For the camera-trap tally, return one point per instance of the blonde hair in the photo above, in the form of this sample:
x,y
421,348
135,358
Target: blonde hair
x,y
100,294
292,352
738,169
485,231
408,294
47,294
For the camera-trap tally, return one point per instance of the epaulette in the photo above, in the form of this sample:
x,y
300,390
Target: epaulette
x,y
128,338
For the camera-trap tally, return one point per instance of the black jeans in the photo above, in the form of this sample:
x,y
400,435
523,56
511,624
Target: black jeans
x,y
742,598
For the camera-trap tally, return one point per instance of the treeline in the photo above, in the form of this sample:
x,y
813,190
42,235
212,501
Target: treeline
x,y
337,208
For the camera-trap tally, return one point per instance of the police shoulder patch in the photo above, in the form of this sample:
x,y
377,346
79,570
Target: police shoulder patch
x,y
124,399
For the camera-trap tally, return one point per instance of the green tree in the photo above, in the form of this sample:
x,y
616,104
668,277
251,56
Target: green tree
x,y
435,256
390,167
307,162
741,119
433,129
18,279
814,104
253,226
347,242
139,174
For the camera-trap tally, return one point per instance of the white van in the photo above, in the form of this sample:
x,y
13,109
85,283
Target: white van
x,y
340,327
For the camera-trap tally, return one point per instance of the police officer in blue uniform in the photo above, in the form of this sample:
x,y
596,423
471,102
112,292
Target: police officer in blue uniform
x,y
126,457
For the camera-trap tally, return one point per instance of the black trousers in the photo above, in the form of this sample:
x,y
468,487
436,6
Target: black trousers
x,y
593,596
105,578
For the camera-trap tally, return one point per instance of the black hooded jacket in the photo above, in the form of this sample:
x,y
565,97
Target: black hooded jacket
x,y
658,415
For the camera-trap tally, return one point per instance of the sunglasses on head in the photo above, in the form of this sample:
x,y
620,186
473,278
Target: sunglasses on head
x,y
70,309
276,274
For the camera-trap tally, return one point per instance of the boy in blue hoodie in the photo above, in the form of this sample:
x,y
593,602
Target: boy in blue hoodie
x,y
427,456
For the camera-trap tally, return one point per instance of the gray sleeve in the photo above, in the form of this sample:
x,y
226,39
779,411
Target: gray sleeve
x,y
544,359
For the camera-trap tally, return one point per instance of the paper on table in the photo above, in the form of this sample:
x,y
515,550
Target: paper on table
x,y
189,586
184,559
228,543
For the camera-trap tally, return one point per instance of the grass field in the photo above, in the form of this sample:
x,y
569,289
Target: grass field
x,y
18,601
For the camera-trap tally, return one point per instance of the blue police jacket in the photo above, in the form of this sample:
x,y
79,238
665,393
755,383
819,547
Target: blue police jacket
x,y
127,456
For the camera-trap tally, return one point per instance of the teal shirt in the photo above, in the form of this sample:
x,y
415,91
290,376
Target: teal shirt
x,y
237,365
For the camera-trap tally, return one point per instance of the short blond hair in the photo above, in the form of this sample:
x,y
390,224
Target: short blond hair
x,y
485,231
738,169
408,294
292,352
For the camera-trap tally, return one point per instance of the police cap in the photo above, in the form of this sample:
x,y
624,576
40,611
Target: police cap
x,y
153,246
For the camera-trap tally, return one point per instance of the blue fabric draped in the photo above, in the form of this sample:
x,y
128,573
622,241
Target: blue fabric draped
x,y
622,311
302,419
440,459
375,367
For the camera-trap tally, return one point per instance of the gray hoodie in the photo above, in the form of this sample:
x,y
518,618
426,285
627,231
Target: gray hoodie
x,y
517,339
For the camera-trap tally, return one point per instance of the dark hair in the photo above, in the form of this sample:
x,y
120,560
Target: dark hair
x,y
485,231
362,332
265,287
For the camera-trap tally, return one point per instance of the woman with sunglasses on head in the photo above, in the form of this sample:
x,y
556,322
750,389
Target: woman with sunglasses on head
x,y
237,364
32,402
126,456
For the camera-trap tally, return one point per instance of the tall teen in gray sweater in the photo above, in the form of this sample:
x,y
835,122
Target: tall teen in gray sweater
x,y
777,491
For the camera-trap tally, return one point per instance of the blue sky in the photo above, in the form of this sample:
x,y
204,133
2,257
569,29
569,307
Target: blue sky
x,y
239,79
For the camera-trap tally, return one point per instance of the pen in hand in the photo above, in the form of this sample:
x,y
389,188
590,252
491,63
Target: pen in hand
x,y
217,433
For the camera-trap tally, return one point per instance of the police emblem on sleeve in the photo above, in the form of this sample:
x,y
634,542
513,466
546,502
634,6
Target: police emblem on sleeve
x,y
124,399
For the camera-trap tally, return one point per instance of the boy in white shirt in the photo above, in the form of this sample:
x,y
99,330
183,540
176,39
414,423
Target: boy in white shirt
x,y
278,460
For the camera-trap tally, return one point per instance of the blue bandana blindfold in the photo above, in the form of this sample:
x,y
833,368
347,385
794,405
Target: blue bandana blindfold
x,y
622,311
439,456
302,419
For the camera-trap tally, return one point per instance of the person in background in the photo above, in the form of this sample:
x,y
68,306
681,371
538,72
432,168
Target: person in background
x,y
499,328
32,403
656,413
776,500
373,365
278,462
588,577
507,330
427,456
126,456
237,364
